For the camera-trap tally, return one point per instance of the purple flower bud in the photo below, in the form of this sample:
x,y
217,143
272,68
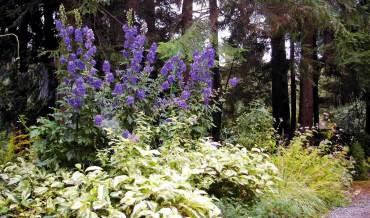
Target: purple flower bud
x,y
93,71
233,82
126,134
170,79
185,94
70,30
106,67
98,119
79,51
140,94
93,62
97,84
109,78
165,85
71,67
73,56
75,103
148,69
130,100
134,80
78,35
62,60
118,89
58,25
80,65
151,54
182,104
67,41
124,54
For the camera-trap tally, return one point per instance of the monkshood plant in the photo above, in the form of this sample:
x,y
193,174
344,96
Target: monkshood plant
x,y
94,97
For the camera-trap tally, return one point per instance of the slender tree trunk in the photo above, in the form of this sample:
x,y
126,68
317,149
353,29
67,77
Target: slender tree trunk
x,y
50,43
306,91
149,17
293,88
280,93
367,99
187,14
316,77
216,130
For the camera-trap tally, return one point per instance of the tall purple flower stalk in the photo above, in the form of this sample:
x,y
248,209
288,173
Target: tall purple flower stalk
x,y
130,85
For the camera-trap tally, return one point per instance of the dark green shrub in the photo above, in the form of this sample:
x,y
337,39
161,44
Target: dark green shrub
x,y
255,128
361,167
64,141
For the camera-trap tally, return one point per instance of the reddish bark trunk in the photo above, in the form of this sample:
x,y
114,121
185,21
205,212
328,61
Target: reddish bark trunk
x,y
306,90
187,14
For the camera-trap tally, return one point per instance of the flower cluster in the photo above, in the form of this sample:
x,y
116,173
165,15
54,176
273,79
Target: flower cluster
x,y
129,83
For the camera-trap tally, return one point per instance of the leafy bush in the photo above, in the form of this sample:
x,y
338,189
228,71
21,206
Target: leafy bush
x,y
176,179
255,128
351,117
61,141
311,182
231,208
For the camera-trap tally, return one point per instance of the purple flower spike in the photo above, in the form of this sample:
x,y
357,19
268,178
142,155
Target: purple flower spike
x,y
98,120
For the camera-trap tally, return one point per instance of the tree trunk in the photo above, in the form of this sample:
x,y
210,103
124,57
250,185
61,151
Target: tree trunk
x,y
50,43
149,17
293,88
280,93
306,91
216,130
367,99
187,14
132,4
316,77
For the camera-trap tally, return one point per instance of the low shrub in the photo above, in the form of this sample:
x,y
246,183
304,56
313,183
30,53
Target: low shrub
x,y
173,180
255,128
350,117
361,166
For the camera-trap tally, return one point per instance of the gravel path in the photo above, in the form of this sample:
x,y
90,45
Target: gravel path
x,y
360,206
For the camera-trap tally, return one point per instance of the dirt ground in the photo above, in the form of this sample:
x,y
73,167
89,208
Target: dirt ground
x,y
360,206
